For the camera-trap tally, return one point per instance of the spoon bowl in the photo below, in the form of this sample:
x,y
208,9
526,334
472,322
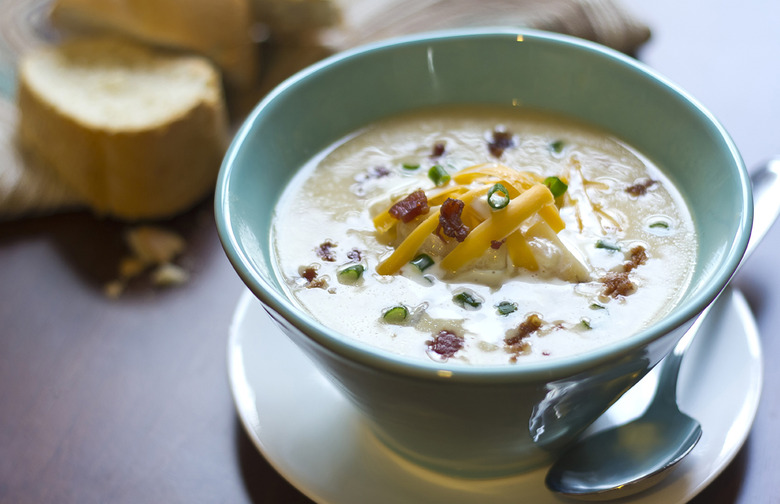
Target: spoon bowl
x,y
633,444
632,457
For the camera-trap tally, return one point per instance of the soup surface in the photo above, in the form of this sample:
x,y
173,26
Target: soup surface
x,y
484,236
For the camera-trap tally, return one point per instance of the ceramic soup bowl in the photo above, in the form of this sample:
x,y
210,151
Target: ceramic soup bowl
x,y
479,421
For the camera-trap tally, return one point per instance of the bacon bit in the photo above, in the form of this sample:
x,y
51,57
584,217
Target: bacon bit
x,y
378,172
449,220
438,150
354,255
637,256
363,179
617,284
446,343
640,188
496,244
309,273
529,326
375,172
325,251
318,283
410,207
502,140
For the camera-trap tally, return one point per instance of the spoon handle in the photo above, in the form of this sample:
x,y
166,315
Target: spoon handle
x,y
766,208
766,204
670,367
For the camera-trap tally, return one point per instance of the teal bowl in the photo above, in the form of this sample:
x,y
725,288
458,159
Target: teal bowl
x,y
479,421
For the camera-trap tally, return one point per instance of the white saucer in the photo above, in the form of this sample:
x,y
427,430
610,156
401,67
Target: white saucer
x,y
315,439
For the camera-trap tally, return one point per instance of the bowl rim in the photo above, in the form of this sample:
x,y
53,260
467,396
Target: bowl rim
x,y
346,348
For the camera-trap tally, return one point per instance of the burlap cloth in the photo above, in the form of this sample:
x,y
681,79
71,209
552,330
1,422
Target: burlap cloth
x,y
27,187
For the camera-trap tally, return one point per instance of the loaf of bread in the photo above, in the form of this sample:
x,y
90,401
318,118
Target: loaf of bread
x,y
219,29
296,19
137,132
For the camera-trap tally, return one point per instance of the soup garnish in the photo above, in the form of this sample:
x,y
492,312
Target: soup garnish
x,y
484,235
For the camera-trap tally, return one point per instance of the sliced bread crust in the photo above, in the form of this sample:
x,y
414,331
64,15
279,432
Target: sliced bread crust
x,y
220,30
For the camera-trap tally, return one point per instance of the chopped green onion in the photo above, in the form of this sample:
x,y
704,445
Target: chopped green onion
x,y
422,262
498,197
410,166
659,224
586,323
596,306
465,299
557,186
607,245
506,307
557,146
351,274
438,175
396,315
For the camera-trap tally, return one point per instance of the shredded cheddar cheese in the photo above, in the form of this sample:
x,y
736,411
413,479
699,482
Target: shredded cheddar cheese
x,y
528,197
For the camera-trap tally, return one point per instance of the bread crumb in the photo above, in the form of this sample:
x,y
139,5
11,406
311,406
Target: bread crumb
x,y
130,267
114,289
154,245
169,274
154,248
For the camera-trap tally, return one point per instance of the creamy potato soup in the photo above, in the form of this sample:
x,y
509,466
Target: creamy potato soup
x,y
483,236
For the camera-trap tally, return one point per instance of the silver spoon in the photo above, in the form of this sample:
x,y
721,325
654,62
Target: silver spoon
x,y
629,458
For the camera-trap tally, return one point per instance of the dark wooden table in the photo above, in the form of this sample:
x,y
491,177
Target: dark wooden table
x,y
127,400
